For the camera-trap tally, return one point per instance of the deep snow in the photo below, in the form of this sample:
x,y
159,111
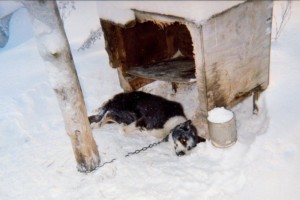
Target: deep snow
x,y
37,161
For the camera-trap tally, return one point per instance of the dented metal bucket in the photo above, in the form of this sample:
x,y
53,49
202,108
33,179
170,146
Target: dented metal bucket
x,y
223,134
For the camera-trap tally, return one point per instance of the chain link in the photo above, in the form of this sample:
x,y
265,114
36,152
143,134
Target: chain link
x,y
143,149
112,160
136,151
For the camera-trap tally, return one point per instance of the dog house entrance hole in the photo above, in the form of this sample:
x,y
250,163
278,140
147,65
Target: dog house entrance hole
x,y
147,51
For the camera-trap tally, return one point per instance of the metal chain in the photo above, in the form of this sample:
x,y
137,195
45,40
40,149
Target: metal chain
x,y
112,160
144,148
136,151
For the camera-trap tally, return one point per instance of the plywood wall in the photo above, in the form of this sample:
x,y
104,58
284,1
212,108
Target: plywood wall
x,y
237,52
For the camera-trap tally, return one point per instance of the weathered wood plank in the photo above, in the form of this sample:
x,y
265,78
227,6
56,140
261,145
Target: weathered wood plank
x,y
179,70
237,52
200,118
114,43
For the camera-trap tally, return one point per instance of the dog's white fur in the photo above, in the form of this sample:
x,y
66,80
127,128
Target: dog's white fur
x,y
159,133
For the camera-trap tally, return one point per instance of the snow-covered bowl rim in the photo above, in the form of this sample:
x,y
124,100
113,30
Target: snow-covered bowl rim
x,y
222,127
220,115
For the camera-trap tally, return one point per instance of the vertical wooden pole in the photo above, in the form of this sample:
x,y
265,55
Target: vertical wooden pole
x,y
55,50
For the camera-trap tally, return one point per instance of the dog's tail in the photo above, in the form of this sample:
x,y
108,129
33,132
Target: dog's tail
x,y
102,118
101,114
95,118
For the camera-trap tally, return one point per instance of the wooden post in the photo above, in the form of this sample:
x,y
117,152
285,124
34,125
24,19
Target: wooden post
x,y
198,49
55,50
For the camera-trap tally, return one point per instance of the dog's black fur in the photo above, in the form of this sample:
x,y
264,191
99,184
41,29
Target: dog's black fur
x,y
150,112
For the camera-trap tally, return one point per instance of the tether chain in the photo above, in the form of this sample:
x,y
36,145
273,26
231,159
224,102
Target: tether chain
x,y
144,148
136,151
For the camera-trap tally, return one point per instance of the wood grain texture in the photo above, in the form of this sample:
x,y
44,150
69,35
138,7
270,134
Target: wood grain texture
x,y
200,118
179,70
237,52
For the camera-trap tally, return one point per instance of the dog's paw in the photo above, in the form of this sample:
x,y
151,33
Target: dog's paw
x,y
125,129
129,128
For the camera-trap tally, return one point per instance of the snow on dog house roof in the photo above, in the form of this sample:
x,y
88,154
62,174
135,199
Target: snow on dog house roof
x,y
223,47
197,11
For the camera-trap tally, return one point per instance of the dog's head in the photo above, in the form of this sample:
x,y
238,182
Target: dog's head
x,y
185,137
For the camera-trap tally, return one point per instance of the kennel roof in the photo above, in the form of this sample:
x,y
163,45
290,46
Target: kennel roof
x,y
121,12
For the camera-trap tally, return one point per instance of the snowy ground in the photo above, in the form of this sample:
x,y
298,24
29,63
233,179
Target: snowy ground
x,y
37,161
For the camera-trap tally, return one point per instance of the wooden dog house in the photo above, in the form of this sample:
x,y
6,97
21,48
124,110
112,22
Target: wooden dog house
x,y
227,56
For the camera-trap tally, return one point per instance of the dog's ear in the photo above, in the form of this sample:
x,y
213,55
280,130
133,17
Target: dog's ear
x,y
94,118
187,124
200,139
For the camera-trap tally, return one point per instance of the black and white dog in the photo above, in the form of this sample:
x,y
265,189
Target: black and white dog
x,y
159,117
